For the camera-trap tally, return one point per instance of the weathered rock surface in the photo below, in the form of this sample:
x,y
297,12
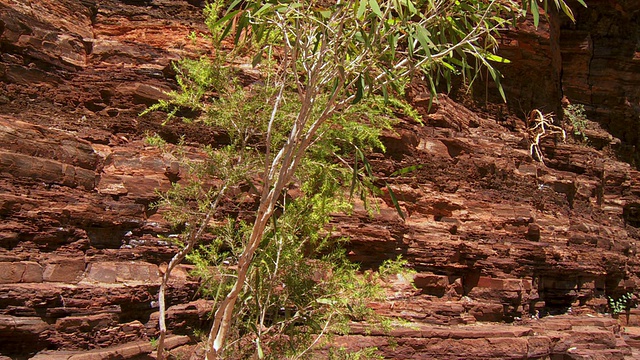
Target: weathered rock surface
x,y
594,62
501,245
553,337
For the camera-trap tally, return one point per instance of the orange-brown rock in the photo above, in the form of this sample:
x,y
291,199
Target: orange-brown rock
x,y
594,61
513,258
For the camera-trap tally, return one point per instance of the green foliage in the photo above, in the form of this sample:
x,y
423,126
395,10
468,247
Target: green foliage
x,y
299,285
155,140
342,353
370,45
578,120
196,78
300,281
397,266
329,80
536,5
620,304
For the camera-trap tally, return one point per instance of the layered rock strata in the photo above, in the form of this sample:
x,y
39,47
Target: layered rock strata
x,y
501,244
593,62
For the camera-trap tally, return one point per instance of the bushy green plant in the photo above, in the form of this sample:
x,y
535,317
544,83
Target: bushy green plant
x,y
292,297
620,304
299,283
578,119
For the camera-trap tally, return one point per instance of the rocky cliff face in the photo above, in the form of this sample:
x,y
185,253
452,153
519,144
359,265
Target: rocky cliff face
x,y
601,67
594,62
499,242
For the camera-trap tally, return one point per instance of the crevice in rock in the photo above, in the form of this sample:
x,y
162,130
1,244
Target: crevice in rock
x,y
631,214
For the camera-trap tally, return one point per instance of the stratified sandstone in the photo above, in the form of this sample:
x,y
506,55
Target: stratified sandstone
x,y
513,259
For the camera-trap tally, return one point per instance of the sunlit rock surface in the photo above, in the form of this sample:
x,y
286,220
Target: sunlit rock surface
x,y
513,259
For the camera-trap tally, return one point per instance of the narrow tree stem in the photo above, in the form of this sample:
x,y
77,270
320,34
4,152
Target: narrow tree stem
x,y
194,235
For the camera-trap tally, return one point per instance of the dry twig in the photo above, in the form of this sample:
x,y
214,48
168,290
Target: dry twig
x,y
542,127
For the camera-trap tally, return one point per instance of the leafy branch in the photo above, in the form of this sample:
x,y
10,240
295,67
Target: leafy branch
x,y
317,60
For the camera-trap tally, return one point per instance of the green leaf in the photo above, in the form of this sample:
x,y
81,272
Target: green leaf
x,y
496,77
567,11
362,7
359,89
385,93
423,38
257,58
494,57
264,8
229,24
375,8
406,170
325,13
234,4
226,18
394,200
392,39
434,92
412,9
535,12
448,66
367,165
226,31
259,348
242,23
326,301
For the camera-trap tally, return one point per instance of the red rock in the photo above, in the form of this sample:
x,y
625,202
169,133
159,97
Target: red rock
x,y
538,346
127,351
501,284
33,140
112,272
67,271
11,272
22,324
487,311
144,93
49,31
431,284
492,234
24,271
32,272
71,324
49,171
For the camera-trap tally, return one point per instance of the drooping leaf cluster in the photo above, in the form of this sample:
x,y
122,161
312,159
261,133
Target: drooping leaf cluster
x,y
372,45
535,6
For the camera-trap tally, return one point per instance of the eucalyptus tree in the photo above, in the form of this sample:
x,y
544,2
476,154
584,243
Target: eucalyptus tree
x,y
296,127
